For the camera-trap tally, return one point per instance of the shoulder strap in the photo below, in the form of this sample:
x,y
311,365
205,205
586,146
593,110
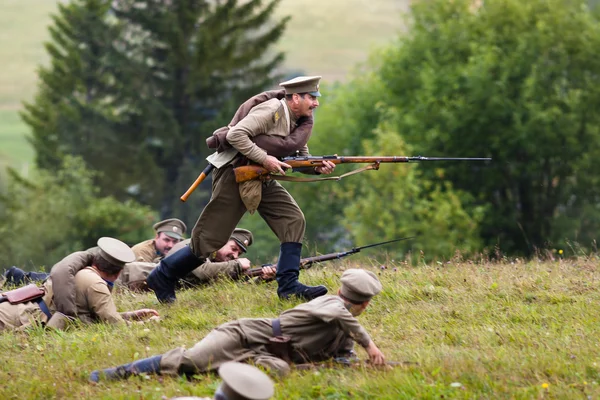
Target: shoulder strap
x,y
374,167
287,114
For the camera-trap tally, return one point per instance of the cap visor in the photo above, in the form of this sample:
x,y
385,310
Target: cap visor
x,y
242,246
173,235
316,94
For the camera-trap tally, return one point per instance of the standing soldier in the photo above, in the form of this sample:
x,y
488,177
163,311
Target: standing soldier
x,y
168,233
323,328
230,200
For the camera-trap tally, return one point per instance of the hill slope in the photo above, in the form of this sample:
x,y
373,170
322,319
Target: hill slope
x,y
473,330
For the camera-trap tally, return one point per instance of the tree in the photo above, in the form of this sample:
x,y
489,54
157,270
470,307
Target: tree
x,y
517,81
135,87
397,201
355,119
51,214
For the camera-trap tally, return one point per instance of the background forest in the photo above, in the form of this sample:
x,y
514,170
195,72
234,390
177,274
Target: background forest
x,y
128,91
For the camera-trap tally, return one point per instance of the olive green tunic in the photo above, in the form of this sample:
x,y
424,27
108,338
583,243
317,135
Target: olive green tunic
x,y
226,208
319,329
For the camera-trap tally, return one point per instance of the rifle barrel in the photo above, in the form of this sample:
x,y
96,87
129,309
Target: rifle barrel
x,y
306,263
375,159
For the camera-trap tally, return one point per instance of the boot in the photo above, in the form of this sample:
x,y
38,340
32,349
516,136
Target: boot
x,y
164,277
147,365
288,270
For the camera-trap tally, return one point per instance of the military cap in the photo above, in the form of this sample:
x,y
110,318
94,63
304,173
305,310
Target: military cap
x,y
359,285
243,238
172,227
302,84
115,252
244,382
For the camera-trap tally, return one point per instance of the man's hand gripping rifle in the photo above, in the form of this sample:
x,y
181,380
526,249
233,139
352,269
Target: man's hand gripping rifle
x,y
251,172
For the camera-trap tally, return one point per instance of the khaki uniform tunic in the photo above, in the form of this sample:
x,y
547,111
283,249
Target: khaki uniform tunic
x,y
146,252
92,298
63,275
226,208
319,329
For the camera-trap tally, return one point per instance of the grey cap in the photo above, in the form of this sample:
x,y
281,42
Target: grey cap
x,y
172,227
359,285
115,252
244,382
302,84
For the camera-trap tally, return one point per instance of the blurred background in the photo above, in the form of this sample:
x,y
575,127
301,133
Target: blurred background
x,y
105,107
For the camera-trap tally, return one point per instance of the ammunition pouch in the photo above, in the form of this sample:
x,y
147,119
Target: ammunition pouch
x,y
23,294
280,346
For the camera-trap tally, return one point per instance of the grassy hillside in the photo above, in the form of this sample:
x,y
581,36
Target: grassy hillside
x,y
477,330
324,37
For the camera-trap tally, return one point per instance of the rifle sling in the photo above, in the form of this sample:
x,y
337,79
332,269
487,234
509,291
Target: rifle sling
x,y
44,307
374,166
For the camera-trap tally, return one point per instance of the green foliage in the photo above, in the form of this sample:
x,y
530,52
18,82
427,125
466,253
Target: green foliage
x,y
134,87
397,201
517,81
48,216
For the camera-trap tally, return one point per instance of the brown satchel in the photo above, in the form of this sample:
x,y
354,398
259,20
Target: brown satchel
x,y
274,145
23,294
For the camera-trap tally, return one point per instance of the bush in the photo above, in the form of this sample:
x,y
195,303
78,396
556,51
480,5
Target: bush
x,y
46,217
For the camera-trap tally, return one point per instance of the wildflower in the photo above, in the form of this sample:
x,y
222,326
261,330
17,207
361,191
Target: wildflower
x,y
545,385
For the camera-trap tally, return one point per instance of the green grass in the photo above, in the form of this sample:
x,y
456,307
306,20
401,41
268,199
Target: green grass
x,y
477,331
327,38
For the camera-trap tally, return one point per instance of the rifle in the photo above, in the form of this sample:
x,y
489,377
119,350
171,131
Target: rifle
x,y
349,362
250,172
306,263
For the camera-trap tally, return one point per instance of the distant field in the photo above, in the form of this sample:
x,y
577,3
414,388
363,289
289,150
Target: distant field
x,y
324,37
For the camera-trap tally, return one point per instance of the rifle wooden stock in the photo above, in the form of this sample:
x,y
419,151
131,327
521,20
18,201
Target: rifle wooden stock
x,y
250,172
197,182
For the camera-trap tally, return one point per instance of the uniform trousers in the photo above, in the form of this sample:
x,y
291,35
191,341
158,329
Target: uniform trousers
x,y
226,208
